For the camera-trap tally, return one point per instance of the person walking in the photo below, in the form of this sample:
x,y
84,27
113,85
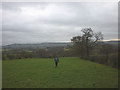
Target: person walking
x,y
56,62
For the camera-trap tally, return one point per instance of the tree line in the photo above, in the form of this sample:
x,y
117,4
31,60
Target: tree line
x,y
89,46
50,52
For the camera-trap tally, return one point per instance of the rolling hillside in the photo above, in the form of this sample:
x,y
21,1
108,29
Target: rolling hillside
x,y
71,72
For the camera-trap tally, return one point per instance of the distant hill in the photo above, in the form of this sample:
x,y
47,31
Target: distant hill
x,y
46,45
35,46
113,42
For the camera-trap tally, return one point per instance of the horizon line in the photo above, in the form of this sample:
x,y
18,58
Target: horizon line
x,y
59,42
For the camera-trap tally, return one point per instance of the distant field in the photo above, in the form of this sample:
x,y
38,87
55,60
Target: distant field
x,y
71,73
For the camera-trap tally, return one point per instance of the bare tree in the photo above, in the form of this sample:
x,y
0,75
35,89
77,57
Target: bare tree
x,y
84,43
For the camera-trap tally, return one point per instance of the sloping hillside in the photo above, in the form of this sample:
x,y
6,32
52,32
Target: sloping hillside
x,y
71,72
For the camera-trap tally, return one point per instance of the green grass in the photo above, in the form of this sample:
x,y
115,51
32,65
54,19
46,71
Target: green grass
x,y
29,51
71,73
66,49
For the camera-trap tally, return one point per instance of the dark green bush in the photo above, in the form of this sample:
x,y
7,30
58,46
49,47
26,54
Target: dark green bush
x,y
111,59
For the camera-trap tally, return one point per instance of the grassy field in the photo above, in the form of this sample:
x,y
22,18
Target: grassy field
x,y
71,73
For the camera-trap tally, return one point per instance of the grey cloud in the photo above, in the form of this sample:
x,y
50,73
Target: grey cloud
x,y
42,22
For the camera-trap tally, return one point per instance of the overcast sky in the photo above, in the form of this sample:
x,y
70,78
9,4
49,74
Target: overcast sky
x,y
56,22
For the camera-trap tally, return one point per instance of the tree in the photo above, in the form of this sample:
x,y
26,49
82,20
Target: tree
x,y
84,43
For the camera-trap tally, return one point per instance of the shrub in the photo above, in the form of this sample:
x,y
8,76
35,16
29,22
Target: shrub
x,y
111,59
